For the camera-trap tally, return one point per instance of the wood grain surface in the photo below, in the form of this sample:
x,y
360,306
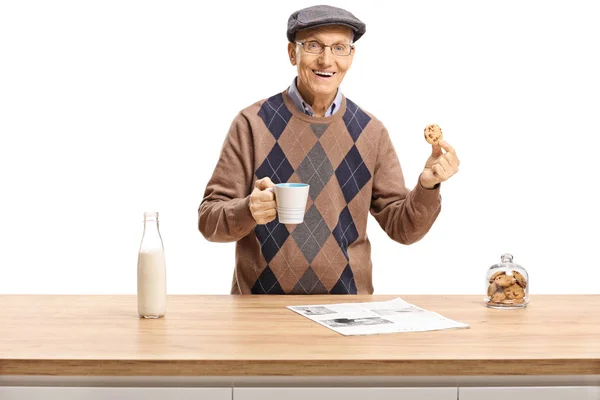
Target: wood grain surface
x,y
257,336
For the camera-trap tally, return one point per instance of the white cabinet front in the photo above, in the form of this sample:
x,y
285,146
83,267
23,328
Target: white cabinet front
x,y
530,393
112,393
360,393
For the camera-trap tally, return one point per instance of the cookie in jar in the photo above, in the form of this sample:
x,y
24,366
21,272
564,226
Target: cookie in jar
x,y
507,285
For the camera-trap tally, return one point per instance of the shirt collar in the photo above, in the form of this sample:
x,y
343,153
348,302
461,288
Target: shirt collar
x,y
306,108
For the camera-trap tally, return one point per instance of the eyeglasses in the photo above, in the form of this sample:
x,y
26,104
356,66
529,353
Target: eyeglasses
x,y
338,49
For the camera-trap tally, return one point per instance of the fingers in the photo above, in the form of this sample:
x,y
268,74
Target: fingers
x,y
441,173
438,171
266,205
452,160
443,168
446,146
449,162
443,164
265,216
263,206
263,195
450,155
264,183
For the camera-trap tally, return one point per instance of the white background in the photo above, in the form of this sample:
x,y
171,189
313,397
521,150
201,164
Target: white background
x,y
112,108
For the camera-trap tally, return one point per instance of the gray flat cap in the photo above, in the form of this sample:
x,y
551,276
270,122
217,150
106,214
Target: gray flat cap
x,y
315,16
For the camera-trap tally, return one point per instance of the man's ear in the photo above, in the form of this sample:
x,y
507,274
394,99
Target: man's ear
x,y
292,53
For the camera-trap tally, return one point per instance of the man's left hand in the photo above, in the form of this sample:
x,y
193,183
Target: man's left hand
x,y
441,165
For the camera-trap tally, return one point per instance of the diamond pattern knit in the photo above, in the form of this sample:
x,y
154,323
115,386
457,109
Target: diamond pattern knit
x,y
352,169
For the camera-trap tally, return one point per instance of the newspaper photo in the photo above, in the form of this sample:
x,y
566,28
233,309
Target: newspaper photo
x,y
376,317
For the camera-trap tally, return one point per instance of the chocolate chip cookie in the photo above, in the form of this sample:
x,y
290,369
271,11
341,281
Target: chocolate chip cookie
x,y
433,134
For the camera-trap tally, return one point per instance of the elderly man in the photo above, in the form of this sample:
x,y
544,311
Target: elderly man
x,y
311,133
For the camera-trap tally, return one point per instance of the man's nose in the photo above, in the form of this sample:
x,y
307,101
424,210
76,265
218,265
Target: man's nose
x,y
326,56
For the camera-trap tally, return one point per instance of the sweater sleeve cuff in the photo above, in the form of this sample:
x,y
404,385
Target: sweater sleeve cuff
x,y
241,216
427,197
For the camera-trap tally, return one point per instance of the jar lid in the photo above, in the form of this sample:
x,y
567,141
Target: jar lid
x,y
506,261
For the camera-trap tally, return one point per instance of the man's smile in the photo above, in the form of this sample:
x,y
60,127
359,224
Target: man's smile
x,y
323,74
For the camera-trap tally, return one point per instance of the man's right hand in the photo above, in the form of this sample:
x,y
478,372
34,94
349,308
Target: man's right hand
x,y
262,201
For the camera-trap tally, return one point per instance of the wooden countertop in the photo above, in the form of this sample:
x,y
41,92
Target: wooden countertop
x,y
257,336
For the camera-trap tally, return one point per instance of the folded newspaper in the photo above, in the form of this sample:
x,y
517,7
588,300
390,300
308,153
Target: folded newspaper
x,y
376,317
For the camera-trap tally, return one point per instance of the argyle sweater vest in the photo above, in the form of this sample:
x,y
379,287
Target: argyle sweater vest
x,y
353,171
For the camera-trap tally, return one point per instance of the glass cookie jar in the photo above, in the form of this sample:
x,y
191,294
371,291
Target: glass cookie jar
x,y
507,285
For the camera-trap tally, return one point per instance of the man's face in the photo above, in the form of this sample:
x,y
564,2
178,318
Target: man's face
x,y
315,70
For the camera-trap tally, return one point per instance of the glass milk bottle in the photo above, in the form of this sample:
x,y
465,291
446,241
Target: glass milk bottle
x,y
151,271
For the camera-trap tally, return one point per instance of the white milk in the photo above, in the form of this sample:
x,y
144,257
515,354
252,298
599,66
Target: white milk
x,y
152,284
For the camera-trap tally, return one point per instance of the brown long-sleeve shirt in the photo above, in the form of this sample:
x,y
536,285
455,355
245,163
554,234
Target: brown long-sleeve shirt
x,y
352,169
